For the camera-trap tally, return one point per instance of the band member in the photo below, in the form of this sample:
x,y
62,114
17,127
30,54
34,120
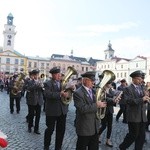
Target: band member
x,y
14,96
79,82
34,101
86,123
55,110
136,112
122,109
31,77
107,121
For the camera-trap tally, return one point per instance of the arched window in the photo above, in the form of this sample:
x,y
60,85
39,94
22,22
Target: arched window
x,y
9,42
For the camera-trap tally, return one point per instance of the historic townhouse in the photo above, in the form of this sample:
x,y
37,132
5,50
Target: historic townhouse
x,y
12,61
123,67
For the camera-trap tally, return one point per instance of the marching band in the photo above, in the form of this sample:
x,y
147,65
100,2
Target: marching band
x,y
56,93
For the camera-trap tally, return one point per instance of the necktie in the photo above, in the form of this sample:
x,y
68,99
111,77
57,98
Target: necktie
x,y
91,94
58,84
138,89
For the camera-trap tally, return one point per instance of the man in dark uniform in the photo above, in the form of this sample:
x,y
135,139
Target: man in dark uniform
x,y
55,110
13,96
87,124
135,100
34,101
27,92
122,105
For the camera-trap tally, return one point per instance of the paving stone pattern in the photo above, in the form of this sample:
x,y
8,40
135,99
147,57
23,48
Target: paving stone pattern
x,y
15,127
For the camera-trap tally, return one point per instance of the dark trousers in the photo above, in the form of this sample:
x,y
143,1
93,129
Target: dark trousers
x,y
27,116
34,110
17,100
60,122
148,119
122,110
136,134
90,142
106,122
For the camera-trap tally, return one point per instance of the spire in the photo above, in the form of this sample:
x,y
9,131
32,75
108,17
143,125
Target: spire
x,y
109,52
72,52
109,46
10,19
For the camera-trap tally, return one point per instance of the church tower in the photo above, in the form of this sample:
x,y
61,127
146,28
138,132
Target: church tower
x,y
9,34
109,52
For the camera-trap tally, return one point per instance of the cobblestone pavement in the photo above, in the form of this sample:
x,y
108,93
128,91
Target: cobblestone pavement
x,y
15,127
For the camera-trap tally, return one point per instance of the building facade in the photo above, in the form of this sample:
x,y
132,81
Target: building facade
x,y
12,61
123,67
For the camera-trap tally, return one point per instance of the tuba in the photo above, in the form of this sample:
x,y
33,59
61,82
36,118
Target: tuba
x,y
18,84
70,71
101,93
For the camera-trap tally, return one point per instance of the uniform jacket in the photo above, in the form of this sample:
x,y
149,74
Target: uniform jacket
x,y
53,105
136,108
86,122
34,93
110,102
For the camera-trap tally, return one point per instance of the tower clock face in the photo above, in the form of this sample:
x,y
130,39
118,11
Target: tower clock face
x,y
9,36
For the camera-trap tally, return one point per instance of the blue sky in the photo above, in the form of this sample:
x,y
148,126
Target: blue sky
x,y
45,27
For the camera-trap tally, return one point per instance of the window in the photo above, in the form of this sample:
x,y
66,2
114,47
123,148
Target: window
x,y
42,64
136,64
0,59
7,60
16,61
35,64
121,75
22,62
121,66
9,42
86,68
125,74
82,68
117,75
47,64
29,65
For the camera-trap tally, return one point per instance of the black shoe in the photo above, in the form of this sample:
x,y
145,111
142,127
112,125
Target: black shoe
x,y
29,130
37,132
124,121
109,145
18,112
11,112
46,148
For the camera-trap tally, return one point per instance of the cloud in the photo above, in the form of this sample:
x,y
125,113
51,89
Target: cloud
x,y
107,27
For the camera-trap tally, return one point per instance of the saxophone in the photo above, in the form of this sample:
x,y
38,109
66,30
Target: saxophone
x,y
70,71
18,84
101,93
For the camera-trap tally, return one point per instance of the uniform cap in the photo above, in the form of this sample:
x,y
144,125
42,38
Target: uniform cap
x,y
89,74
137,73
35,71
54,70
